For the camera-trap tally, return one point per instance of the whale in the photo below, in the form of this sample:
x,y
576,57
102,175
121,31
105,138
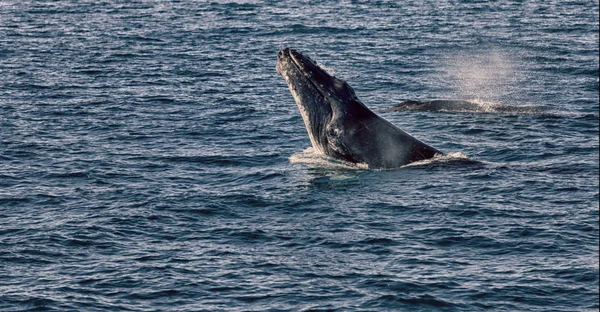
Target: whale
x,y
339,125
437,105
464,106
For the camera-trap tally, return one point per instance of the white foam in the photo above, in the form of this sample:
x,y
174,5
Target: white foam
x,y
485,106
312,158
439,158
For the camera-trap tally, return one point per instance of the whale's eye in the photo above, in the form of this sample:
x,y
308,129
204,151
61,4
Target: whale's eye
x,y
333,132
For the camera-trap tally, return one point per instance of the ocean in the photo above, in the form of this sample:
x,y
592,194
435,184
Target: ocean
x,y
151,158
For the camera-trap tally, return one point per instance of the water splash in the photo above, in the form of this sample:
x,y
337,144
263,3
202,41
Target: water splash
x,y
441,158
314,159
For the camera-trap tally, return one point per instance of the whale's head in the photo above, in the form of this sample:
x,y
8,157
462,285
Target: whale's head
x,y
329,107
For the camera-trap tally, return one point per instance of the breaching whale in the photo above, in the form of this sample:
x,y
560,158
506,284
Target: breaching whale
x,y
339,125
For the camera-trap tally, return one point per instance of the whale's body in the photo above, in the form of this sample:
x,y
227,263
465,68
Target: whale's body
x,y
339,125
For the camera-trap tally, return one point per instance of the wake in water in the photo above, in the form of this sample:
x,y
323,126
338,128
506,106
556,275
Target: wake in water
x,y
311,158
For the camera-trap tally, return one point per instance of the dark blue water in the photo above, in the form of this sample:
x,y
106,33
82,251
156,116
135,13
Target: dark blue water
x,y
149,158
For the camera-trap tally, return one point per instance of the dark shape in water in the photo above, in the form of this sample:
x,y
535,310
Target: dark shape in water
x,y
463,106
339,124
436,105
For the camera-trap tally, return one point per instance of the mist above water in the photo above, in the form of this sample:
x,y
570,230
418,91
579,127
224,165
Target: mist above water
x,y
485,76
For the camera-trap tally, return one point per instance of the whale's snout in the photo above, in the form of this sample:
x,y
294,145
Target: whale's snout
x,y
283,51
283,58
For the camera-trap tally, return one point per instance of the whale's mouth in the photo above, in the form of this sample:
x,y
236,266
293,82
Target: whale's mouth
x,y
308,83
289,60
316,76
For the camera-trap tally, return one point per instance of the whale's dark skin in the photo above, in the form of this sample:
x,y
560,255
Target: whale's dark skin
x,y
339,124
464,106
436,105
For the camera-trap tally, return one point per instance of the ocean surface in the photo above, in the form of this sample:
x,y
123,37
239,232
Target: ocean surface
x,y
151,159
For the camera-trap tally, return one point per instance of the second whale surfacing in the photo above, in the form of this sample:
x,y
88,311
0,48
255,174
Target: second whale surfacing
x,y
339,125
